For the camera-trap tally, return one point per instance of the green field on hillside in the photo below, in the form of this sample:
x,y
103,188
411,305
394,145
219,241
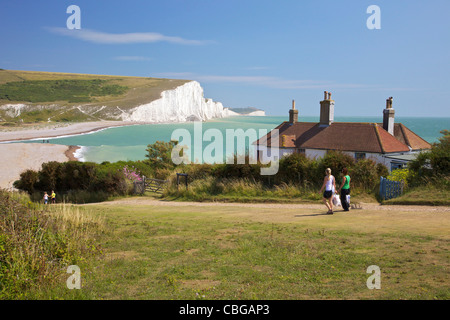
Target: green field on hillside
x,y
56,97
72,91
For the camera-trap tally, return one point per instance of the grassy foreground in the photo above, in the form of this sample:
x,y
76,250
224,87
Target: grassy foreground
x,y
156,250
430,195
38,243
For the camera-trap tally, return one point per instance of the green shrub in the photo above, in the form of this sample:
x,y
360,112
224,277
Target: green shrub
x,y
399,175
382,171
364,174
49,174
27,181
295,168
235,170
432,165
99,180
336,161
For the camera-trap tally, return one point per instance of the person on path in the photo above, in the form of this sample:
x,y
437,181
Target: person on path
x,y
345,190
53,197
329,184
45,198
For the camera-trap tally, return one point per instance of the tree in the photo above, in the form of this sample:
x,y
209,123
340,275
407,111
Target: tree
x,y
159,154
434,163
27,181
49,175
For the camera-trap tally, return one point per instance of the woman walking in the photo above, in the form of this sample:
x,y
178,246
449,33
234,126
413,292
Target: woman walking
x,y
345,190
329,184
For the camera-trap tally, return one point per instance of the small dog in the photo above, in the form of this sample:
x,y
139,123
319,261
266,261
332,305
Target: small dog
x,y
355,206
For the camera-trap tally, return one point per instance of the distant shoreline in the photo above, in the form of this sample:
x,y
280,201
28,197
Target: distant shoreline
x,y
64,130
70,153
59,131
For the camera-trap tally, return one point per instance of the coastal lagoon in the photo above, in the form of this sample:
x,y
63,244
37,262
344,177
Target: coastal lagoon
x,y
130,142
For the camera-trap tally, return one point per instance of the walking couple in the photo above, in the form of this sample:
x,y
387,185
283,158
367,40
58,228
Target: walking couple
x,y
329,184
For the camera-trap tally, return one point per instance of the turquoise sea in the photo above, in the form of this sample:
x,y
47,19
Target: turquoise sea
x,y
130,142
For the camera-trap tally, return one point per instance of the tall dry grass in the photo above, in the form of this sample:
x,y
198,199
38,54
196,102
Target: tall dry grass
x,y
240,189
38,242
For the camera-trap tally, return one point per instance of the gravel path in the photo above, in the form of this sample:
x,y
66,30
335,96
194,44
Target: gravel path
x,y
363,206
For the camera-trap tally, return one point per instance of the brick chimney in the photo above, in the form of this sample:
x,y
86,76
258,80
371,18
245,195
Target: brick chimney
x,y
388,117
326,109
293,114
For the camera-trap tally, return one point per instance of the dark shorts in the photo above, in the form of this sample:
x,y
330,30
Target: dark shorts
x,y
344,194
328,194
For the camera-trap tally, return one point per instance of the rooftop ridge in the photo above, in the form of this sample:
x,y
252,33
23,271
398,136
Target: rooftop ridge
x,y
415,134
404,135
378,137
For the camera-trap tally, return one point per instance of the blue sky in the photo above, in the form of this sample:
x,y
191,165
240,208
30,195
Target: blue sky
x,y
245,53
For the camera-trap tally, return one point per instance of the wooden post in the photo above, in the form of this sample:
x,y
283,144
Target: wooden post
x,y
185,175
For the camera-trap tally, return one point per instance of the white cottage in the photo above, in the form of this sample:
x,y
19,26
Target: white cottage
x,y
389,143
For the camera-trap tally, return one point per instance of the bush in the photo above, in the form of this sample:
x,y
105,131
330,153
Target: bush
x,y
364,175
162,173
49,175
98,180
399,175
336,161
234,170
295,168
382,171
433,164
27,182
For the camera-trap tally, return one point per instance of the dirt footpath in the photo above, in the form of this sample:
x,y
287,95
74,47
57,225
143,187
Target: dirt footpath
x,y
363,206
372,217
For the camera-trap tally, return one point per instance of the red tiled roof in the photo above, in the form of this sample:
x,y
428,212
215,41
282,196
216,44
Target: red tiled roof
x,y
343,136
287,141
389,143
409,138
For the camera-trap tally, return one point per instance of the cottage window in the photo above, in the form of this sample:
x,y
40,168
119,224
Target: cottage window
x,y
397,165
360,156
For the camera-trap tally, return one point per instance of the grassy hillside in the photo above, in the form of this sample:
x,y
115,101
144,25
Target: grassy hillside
x,y
56,97
72,91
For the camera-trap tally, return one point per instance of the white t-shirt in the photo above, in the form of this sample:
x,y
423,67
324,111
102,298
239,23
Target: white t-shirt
x,y
329,184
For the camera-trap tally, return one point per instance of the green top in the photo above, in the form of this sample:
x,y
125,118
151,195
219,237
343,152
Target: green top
x,y
347,182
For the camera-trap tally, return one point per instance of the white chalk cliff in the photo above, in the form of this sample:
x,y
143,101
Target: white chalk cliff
x,y
184,103
258,113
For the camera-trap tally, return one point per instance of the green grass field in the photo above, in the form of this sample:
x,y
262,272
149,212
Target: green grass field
x,y
429,195
166,250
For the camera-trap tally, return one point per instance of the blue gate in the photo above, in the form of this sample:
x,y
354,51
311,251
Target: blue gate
x,y
390,189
